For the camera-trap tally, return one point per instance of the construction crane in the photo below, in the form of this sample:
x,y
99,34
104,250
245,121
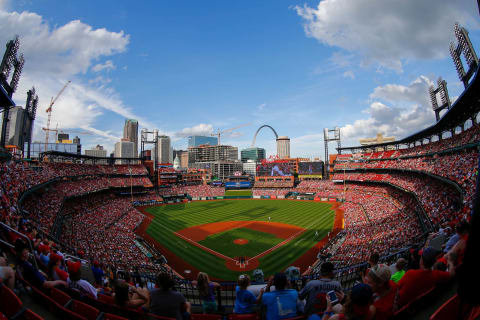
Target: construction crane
x,y
219,133
49,111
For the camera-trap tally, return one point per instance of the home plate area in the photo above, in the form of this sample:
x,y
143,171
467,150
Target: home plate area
x,y
240,243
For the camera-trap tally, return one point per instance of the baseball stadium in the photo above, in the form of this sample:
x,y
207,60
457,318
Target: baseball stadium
x,y
383,230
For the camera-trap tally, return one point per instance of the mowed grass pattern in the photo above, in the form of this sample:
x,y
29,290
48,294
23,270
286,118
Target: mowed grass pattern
x,y
257,242
309,215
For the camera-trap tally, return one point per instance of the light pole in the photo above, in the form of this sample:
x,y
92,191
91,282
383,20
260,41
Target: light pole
x,y
131,183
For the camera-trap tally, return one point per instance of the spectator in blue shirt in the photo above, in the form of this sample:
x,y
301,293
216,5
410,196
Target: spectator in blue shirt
x,y
281,303
245,299
97,273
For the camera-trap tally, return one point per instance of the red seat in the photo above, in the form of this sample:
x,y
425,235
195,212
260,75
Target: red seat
x,y
448,310
11,304
104,298
109,316
84,310
246,316
29,315
59,296
199,316
151,316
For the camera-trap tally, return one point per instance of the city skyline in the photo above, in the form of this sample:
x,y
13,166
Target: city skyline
x,y
217,66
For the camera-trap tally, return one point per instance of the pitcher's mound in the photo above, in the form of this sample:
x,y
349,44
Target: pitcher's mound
x,y
240,241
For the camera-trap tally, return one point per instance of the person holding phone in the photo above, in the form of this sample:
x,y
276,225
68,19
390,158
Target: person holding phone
x,y
358,305
315,291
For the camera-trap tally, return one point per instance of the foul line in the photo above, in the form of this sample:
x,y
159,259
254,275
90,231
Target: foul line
x,y
218,254
284,242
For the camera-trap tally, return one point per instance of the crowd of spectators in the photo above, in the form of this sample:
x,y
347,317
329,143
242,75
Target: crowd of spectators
x,y
375,221
195,191
277,192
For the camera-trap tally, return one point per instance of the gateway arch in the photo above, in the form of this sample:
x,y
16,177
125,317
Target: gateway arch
x,y
258,130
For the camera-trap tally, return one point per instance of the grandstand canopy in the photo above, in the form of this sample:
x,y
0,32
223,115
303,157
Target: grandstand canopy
x,y
462,110
67,155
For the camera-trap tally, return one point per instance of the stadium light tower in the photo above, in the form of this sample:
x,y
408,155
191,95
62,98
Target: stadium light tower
x,y
9,85
327,138
463,46
444,98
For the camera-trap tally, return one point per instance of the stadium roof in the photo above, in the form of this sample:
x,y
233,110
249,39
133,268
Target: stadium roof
x,y
467,105
82,156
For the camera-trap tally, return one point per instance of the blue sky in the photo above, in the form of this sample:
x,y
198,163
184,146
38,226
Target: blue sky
x,y
188,67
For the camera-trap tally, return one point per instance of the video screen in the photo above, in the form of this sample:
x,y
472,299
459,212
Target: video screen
x,y
310,168
273,169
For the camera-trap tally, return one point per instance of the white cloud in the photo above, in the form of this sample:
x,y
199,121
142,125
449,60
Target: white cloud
x,y
108,65
201,129
262,106
388,32
349,74
404,110
67,52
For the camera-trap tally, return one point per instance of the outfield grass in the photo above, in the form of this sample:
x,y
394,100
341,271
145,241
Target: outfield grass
x,y
309,215
230,193
257,242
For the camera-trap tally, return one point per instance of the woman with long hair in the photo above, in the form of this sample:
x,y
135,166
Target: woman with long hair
x,y
206,289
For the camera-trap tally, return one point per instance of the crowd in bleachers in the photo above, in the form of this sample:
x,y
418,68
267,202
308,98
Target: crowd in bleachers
x,y
271,192
100,226
374,221
43,206
195,191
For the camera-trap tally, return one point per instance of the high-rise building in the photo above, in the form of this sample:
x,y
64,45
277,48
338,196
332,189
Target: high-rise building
x,y
163,150
212,153
62,136
250,167
255,154
130,133
195,141
220,159
76,141
98,151
14,130
283,147
124,149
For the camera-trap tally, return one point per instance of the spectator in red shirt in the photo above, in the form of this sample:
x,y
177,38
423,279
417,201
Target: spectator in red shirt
x,y
416,282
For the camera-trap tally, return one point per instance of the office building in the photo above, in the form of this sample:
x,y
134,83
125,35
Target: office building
x,y
14,130
212,153
255,154
195,141
163,150
283,147
220,159
250,167
98,151
220,169
130,133
124,149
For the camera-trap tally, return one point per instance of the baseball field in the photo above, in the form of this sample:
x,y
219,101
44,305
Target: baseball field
x,y
227,237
